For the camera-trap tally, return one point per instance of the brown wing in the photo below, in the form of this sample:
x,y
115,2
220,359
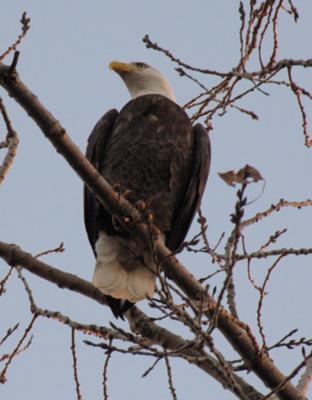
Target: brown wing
x,y
191,202
95,154
93,212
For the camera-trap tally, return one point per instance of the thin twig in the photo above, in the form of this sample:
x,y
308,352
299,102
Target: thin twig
x,y
150,369
272,253
297,92
21,350
11,142
59,249
288,378
4,281
75,369
275,208
17,350
9,333
260,303
25,21
230,260
306,379
170,380
105,372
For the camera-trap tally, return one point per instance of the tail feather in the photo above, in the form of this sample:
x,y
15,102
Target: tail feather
x,y
114,281
118,307
123,279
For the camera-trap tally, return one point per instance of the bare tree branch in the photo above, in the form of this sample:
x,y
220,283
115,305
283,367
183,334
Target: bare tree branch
x,y
105,372
306,379
25,22
75,368
9,333
231,329
170,379
139,323
11,143
17,350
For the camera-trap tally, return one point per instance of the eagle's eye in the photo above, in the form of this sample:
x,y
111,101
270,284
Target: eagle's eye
x,y
140,64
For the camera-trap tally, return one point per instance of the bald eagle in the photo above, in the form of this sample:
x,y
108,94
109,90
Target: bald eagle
x,y
151,151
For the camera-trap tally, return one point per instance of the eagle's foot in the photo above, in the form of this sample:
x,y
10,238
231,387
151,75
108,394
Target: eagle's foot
x,y
150,221
126,220
120,222
116,187
116,223
127,194
150,218
154,231
140,205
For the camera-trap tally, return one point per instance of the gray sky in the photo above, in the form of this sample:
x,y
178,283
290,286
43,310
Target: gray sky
x,y
64,60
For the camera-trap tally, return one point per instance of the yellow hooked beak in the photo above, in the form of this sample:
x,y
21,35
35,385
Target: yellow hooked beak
x,y
122,67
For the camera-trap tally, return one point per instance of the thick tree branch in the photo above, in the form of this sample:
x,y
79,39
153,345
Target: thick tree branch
x,y
261,365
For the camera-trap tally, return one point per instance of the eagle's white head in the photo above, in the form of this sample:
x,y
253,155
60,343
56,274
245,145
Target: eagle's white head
x,y
141,79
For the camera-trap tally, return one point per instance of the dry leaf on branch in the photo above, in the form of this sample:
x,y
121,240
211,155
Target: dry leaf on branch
x,y
244,175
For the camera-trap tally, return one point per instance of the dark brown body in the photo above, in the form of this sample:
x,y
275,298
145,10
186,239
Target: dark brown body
x,y
151,149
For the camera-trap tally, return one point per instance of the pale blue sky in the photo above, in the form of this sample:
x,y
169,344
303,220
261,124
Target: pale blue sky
x,y
64,60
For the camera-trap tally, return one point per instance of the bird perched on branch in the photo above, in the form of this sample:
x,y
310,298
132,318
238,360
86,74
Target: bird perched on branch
x,y
151,151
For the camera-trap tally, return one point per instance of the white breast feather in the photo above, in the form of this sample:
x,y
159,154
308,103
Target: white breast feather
x,y
112,279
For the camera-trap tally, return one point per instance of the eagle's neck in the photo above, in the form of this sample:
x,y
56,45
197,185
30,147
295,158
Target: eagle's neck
x,y
153,87
166,93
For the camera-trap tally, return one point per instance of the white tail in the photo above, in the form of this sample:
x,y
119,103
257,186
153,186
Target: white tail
x,y
112,279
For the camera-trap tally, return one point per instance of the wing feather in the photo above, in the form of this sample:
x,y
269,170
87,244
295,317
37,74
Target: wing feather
x,y
191,202
95,151
97,142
